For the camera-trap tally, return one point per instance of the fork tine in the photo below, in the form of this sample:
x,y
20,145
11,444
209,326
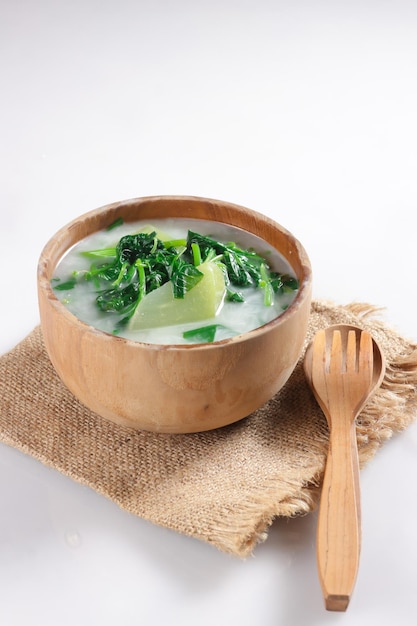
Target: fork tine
x,y
366,354
351,352
336,352
320,353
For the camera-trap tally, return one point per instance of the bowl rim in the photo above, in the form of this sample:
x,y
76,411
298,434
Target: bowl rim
x,y
44,282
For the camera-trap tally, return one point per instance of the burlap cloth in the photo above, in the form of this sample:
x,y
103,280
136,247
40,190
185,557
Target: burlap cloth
x,y
225,486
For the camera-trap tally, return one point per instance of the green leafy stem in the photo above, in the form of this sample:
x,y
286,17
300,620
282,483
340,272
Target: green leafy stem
x,y
142,262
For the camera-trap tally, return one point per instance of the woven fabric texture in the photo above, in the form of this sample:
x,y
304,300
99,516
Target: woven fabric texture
x,y
225,486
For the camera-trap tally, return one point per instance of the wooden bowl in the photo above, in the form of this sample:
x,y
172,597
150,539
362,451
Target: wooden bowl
x,y
173,388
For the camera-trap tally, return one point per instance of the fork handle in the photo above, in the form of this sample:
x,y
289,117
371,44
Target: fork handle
x,y
338,531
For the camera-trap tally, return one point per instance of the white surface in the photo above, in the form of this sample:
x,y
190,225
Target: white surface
x,y
305,111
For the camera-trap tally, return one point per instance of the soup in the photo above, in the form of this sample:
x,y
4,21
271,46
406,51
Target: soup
x,y
211,307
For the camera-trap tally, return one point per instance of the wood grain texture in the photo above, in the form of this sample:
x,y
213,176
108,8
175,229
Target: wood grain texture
x,y
343,366
177,389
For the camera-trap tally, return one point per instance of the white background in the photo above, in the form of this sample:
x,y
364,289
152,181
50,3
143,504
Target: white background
x,y
303,110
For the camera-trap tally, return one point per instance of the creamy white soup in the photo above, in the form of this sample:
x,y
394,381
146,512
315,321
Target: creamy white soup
x,y
223,310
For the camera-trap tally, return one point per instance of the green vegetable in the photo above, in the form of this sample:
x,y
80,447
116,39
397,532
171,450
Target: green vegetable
x,y
137,265
103,253
68,284
203,334
160,307
234,296
184,276
265,283
127,274
115,224
243,268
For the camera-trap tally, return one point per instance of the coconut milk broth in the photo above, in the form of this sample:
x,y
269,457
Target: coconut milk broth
x,y
236,317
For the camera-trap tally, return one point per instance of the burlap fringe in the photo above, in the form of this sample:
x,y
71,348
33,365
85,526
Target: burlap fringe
x,y
236,540
383,416
385,412
392,408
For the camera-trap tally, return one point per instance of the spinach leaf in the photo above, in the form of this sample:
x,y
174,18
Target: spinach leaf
x,y
117,300
141,263
242,266
133,247
117,222
65,286
203,334
184,277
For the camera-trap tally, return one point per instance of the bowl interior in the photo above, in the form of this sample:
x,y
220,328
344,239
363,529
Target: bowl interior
x,y
159,207
183,388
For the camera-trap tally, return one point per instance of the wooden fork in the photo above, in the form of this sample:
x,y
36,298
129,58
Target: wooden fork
x,y
340,371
